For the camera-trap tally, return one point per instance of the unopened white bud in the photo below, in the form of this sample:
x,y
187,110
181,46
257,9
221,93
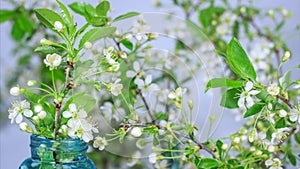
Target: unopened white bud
x,y
88,45
15,91
38,108
136,132
123,55
31,82
286,56
58,26
42,114
224,147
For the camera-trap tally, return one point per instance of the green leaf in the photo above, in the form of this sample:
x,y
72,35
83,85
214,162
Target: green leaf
x,y
256,108
17,32
207,163
79,7
103,8
223,82
265,96
68,18
96,34
127,44
6,15
280,123
297,137
46,49
47,17
239,60
34,98
125,16
230,98
292,158
236,29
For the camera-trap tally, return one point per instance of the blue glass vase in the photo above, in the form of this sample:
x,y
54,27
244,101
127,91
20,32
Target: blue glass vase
x,y
59,154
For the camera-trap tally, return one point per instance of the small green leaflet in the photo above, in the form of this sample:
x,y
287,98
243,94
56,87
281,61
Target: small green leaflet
x,y
223,82
125,16
96,34
256,108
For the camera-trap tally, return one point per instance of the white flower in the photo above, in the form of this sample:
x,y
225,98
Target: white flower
x,y
53,60
18,110
280,134
177,93
63,130
88,45
295,115
270,117
116,88
74,113
42,114
81,129
146,86
152,158
136,132
246,94
273,163
138,72
15,91
110,58
127,36
273,89
58,26
100,143
282,113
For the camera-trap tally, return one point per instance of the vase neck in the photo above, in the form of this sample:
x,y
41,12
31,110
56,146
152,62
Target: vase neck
x,y
57,150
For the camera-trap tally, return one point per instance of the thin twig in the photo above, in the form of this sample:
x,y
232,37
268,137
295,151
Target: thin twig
x,y
147,106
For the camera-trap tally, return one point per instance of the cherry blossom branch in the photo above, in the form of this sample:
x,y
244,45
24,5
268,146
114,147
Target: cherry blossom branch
x,y
200,145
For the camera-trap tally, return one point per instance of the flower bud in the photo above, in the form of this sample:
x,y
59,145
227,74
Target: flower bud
x,y
42,114
58,26
153,158
191,104
88,45
224,147
31,82
38,108
282,113
286,56
136,132
252,135
46,42
15,91
36,119
25,127
123,55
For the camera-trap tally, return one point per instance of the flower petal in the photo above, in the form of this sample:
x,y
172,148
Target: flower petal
x,y
28,113
67,114
249,86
